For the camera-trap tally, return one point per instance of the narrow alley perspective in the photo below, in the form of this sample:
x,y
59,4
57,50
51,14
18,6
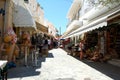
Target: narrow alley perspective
x,y
59,39
61,66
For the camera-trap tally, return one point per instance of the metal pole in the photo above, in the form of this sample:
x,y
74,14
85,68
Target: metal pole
x,y
36,58
32,56
26,56
60,30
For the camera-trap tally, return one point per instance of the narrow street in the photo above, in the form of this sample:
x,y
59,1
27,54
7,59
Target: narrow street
x,y
60,66
84,28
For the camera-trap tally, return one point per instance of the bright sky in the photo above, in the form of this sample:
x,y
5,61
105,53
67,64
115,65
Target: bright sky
x,y
56,11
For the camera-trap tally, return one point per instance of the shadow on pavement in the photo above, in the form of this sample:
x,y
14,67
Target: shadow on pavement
x,y
43,59
30,70
20,72
105,68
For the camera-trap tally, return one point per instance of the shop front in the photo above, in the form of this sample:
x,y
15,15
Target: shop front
x,y
113,34
99,33
43,30
24,25
106,39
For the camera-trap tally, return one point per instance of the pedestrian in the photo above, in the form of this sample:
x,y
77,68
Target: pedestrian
x,y
33,41
82,49
49,43
39,42
45,47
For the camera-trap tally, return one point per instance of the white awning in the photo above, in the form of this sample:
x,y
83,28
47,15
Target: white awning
x,y
73,26
91,26
22,16
96,26
100,22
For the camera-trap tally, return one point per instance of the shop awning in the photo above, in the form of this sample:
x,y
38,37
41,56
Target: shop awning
x,y
41,27
114,18
93,25
22,16
73,26
99,22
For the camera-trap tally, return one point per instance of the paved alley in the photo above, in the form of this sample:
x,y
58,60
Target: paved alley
x,y
60,66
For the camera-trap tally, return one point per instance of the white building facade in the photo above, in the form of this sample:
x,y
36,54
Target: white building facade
x,y
100,22
89,16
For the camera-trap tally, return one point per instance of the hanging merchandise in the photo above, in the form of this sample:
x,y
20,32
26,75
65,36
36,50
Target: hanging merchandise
x,y
7,38
10,34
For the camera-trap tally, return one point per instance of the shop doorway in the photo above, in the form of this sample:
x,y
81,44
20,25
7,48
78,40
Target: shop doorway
x,y
91,39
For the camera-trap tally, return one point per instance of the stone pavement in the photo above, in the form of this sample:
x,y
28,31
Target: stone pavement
x,y
60,66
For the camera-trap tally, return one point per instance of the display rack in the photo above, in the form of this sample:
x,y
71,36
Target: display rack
x,y
91,39
117,41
